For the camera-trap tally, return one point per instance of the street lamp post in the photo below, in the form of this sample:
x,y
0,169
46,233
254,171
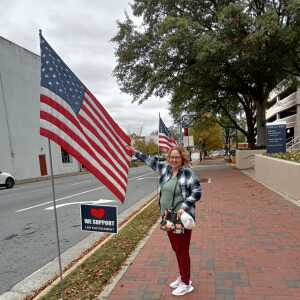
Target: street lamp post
x,y
186,121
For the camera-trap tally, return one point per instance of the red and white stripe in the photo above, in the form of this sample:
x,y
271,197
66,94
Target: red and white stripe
x,y
165,143
92,137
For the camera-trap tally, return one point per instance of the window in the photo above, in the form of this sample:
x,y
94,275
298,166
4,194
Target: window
x,y
288,112
272,119
65,157
291,89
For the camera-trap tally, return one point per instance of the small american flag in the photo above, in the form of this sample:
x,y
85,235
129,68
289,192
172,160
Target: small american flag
x,y
165,140
73,118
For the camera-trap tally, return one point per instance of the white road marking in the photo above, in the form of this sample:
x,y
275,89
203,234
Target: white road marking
x,y
81,202
60,199
74,195
80,182
140,176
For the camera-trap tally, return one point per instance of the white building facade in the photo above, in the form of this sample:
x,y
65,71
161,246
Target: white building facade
x,y
284,107
23,152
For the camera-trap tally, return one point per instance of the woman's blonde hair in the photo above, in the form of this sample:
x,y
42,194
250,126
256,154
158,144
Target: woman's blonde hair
x,y
183,154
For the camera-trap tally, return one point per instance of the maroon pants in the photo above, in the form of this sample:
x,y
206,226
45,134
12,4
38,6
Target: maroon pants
x,y
181,245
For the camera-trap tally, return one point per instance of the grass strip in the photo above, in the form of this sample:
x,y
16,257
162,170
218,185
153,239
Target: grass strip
x,y
89,279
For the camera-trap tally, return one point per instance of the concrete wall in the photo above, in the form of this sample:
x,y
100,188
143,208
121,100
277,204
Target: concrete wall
x,y
6,162
245,158
21,142
281,175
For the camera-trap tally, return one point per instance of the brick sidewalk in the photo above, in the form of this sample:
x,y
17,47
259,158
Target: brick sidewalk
x,y
246,246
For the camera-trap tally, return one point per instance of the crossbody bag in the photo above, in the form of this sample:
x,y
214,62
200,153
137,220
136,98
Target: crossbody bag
x,y
171,216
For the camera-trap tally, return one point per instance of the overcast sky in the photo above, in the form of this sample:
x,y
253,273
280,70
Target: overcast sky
x,y
80,31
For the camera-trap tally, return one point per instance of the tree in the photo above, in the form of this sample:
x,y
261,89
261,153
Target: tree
x,y
152,148
208,53
148,148
140,145
292,64
207,134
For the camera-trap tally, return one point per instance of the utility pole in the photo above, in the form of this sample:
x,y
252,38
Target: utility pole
x,y
140,132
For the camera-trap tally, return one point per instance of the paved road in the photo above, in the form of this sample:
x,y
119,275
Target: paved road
x,y
27,235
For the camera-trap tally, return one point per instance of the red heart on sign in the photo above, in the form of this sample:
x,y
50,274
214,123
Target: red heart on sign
x,y
98,213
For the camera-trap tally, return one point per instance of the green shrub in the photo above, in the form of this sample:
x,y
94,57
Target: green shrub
x,y
133,164
293,155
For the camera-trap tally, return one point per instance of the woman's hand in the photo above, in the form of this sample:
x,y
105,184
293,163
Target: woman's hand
x,y
179,213
131,149
169,226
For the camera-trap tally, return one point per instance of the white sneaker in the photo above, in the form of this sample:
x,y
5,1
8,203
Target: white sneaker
x,y
183,289
175,284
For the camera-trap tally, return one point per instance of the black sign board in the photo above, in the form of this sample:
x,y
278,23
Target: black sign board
x,y
276,138
99,218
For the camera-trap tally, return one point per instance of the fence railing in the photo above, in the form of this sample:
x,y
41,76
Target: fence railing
x,y
293,143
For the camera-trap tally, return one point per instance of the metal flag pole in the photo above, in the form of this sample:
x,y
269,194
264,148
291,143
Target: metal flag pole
x,y
158,153
56,224
158,135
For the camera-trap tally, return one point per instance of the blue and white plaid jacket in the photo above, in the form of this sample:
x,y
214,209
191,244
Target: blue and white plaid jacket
x,y
188,181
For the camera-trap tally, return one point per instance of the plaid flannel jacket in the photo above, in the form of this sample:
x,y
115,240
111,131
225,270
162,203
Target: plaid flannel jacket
x,y
188,181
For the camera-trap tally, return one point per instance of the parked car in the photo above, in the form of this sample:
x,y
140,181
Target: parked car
x,y
7,180
195,156
161,157
217,153
133,158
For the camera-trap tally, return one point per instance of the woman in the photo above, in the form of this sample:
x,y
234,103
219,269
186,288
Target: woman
x,y
179,187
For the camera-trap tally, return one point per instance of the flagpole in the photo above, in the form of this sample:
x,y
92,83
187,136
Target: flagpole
x,y
158,135
56,224
158,154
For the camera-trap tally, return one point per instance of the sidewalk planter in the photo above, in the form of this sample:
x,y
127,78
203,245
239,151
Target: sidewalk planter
x,y
245,158
279,174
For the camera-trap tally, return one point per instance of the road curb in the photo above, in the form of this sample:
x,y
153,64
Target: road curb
x,y
45,178
125,221
72,257
48,177
114,281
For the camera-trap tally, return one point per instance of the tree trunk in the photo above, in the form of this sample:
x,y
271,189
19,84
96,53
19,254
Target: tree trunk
x,y
250,129
251,139
261,123
227,140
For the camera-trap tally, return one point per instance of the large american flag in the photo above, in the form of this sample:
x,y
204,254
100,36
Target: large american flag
x,y
73,118
165,140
